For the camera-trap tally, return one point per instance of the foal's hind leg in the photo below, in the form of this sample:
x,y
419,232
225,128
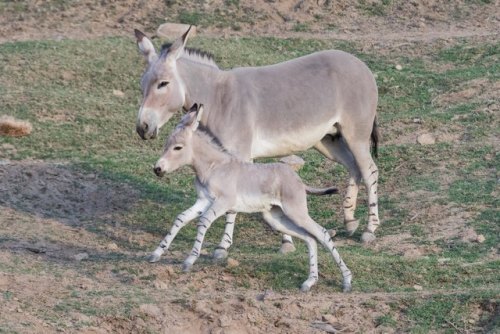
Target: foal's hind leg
x,y
278,221
335,148
322,235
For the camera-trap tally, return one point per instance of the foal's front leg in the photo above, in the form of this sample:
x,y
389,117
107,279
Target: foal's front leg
x,y
182,219
206,220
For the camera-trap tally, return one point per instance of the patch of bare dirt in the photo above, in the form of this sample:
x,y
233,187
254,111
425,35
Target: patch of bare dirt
x,y
369,20
52,190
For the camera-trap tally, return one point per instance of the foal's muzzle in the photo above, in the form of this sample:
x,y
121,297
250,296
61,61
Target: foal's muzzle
x,y
158,171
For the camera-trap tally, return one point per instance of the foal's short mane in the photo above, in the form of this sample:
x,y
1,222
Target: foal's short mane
x,y
194,54
211,138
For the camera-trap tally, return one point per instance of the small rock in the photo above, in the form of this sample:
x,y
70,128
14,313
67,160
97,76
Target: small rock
x,y
472,321
329,319
81,256
67,76
293,161
417,120
399,67
426,139
8,147
160,285
151,310
469,235
480,238
418,287
231,263
281,322
112,246
225,321
118,93
174,30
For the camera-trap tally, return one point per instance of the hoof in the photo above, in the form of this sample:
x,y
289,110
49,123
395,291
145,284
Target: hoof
x,y
305,288
368,237
153,257
346,288
186,267
351,226
220,254
287,247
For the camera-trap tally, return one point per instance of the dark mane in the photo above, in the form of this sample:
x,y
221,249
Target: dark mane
x,y
213,139
191,52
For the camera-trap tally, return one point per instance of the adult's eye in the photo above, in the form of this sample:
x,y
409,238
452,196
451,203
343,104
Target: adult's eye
x,y
177,148
162,84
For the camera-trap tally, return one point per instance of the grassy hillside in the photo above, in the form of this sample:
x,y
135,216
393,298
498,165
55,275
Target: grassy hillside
x,y
434,199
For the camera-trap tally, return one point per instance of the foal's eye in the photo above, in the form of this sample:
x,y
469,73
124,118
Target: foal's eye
x,y
162,84
177,148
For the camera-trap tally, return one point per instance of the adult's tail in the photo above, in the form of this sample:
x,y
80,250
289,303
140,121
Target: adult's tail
x,y
374,138
321,191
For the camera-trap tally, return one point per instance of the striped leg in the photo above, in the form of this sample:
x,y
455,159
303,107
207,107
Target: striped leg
x,y
349,204
371,181
220,252
278,221
204,224
182,219
325,239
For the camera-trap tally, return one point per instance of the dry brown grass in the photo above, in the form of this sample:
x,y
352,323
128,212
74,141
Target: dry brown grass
x,y
12,127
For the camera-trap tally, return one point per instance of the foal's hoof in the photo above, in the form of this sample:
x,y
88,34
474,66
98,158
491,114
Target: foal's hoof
x,y
186,267
153,257
305,288
346,288
368,237
351,226
220,254
287,247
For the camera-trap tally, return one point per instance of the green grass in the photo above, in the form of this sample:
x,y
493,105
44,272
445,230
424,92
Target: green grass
x,y
79,120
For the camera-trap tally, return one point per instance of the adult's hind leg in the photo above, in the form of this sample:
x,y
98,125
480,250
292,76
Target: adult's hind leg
x,y
335,148
369,172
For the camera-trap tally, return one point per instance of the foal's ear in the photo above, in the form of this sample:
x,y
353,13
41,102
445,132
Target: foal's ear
x,y
145,46
194,116
177,48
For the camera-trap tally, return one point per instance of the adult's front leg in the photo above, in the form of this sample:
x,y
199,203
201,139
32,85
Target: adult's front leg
x,y
182,219
205,221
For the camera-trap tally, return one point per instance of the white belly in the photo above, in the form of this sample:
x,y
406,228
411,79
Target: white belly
x,y
252,204
279,144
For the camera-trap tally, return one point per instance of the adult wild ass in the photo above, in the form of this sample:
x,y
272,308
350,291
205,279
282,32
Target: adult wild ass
x,y
326,100
225,183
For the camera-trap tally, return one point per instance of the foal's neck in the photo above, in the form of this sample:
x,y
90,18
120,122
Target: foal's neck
x,y
207,154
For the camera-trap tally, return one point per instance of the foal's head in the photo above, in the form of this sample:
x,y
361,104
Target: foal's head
x,y
178,150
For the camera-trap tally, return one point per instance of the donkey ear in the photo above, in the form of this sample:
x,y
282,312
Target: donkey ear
x,y
177,48
145,46
199,113
194,108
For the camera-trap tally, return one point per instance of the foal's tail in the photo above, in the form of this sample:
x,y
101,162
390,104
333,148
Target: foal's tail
x,y
321,191
374,138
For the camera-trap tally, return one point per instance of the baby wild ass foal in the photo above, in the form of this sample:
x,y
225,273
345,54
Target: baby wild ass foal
x,y
225,183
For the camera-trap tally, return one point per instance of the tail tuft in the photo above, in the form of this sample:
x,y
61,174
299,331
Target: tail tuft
x,y
374,138
322,191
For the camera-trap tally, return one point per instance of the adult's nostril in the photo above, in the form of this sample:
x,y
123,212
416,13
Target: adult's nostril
x,y
157,171
145,126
